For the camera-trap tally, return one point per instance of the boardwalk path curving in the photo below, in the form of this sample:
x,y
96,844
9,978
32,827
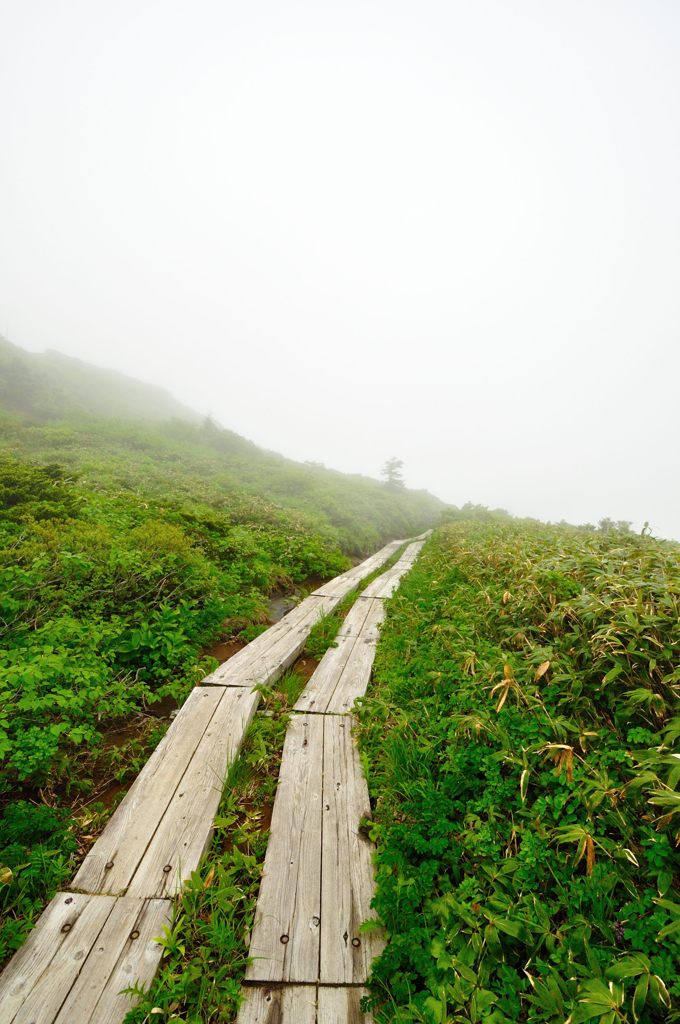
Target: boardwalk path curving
x,y
100,936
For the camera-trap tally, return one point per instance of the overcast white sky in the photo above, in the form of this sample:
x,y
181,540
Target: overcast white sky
x,y
448,231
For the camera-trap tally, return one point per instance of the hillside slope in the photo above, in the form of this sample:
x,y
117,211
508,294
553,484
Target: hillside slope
x,y
130,551
47,385
118,434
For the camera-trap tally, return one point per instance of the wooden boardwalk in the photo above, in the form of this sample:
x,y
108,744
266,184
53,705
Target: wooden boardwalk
x,y
309,958
100,936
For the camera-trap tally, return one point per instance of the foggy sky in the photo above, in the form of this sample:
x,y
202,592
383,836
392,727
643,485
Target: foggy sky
x,y
447,231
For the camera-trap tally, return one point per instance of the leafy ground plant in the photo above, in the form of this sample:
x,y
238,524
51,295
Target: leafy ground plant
x,y
521,745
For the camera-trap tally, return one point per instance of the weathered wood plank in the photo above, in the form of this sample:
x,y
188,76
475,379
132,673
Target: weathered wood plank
x,y
375,589
270,654
40,976
290,1004
345,670
322,685
124,954
355,618
183,835
285,937
384,586
363,618
411,553
347,885
341,1006
270,636
113,860
266,663
343,585
354,679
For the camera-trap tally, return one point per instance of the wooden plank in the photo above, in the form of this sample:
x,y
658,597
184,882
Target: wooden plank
x,y
267,667
113,860
302,1004
343,585
290,1004
40,976
321,687
375,588
355,618
347,884
268,656
341,1006
411,553
388,587
265,664
354,679
384,586
373,621
124,954
285,937
257,647
184,833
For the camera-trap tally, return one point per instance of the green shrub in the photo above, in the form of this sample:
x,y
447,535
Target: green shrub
x,y
520,744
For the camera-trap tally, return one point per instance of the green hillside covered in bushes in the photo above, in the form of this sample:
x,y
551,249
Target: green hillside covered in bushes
x,y
127,549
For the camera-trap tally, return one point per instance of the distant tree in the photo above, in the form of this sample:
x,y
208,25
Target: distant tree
x,y
606,525
392,472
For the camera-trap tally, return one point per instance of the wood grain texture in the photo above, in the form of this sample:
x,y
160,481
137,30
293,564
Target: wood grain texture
x,y
124,954
82,952
302,1004
364,618
378,587
268,656
126,837
355,618
347,884
322,685
288,906
340,1006
384,586
270,636
39,977
185,830
345,584
354,679
344,671
290,1004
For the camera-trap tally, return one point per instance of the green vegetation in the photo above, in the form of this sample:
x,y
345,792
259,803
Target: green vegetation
x,y
47,385
522,755
126,551
106,603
